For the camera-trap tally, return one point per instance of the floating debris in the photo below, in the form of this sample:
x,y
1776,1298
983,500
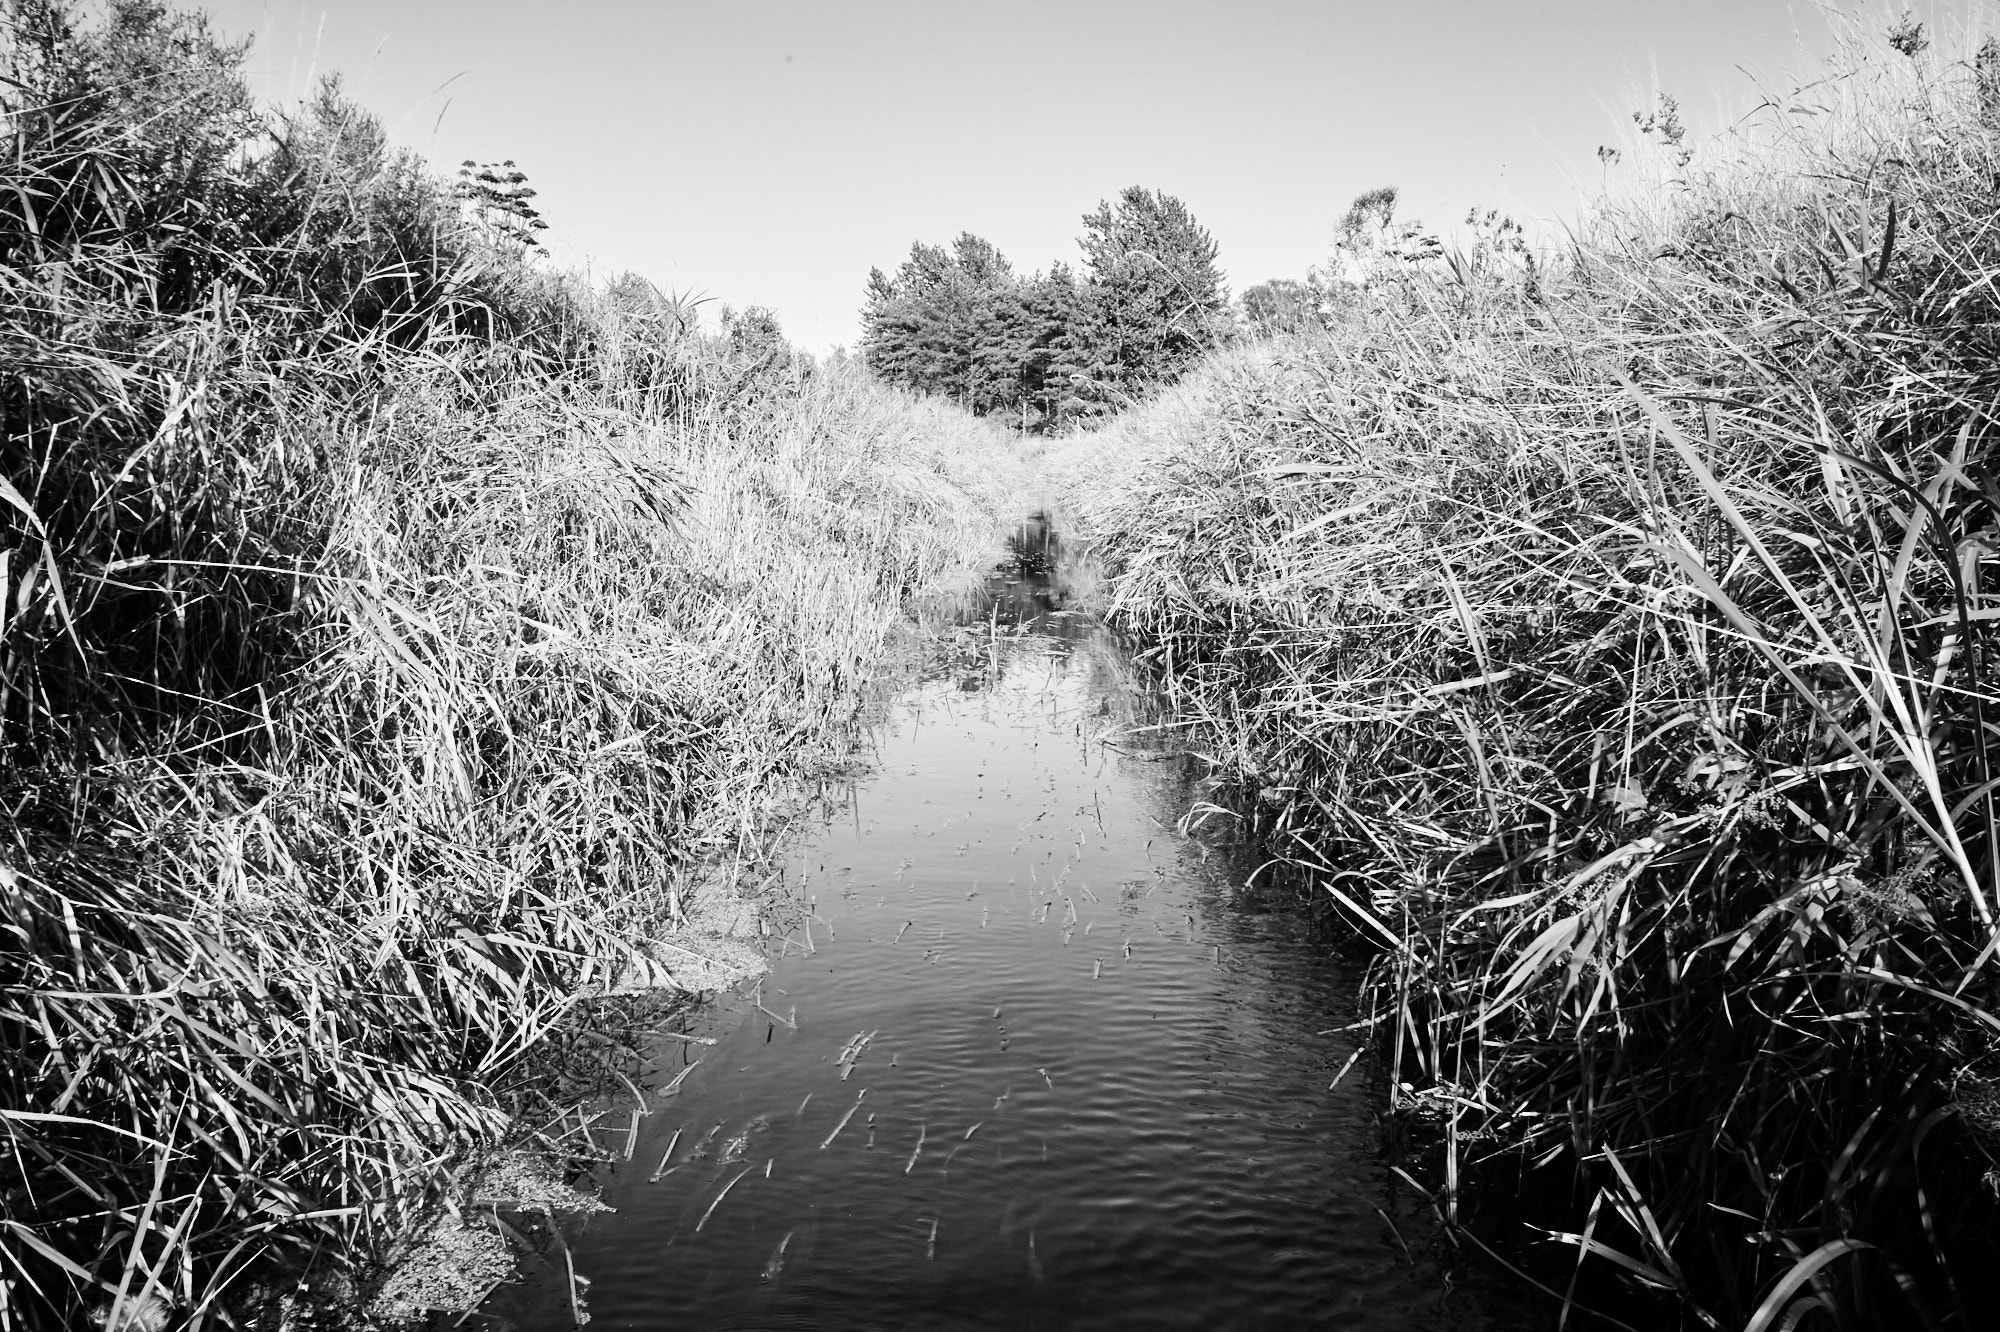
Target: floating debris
x,y
673,1088
776,1264
1046,1078
1097,968
930,1248
666,1157
719,1197
850,1054
923,1131
843,1121
974,1129
899,933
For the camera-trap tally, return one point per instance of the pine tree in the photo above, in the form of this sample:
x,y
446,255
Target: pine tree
x,y
1161,303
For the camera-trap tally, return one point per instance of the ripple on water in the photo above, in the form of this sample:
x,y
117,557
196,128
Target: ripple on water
x,y
1114,1063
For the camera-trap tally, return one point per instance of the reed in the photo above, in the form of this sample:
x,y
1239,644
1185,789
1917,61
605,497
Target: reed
x,y
395,632
1609,637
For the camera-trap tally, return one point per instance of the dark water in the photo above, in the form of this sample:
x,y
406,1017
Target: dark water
x,y
1115,1056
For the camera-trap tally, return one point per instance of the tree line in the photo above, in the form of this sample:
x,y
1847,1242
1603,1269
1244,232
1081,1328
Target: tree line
x,y
1058,346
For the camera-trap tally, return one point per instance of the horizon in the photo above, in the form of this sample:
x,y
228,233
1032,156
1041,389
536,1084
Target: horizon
x,y
771,153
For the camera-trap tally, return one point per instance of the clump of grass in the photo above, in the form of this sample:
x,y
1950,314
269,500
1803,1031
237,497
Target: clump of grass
x,y
394,632
1614,637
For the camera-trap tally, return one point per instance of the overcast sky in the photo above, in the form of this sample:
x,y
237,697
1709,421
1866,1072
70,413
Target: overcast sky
x,y
769,151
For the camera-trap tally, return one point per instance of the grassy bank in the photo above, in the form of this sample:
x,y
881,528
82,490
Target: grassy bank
x,y
395,632
1609,636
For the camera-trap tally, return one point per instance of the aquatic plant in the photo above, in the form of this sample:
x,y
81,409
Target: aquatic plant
x,y
1610,638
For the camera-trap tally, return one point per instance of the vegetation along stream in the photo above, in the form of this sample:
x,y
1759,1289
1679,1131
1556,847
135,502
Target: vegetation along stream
x,y
1025,1057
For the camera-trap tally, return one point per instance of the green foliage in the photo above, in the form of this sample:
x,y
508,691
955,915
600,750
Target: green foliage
x,y
1611,640
1050,348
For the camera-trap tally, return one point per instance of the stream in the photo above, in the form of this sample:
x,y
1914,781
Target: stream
x,y
1026,1056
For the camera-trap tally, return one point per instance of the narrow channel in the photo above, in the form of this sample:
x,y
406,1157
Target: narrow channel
x,y
1054,1064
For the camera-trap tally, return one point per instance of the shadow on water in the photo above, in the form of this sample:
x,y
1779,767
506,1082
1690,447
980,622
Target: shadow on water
x,y
1026,1057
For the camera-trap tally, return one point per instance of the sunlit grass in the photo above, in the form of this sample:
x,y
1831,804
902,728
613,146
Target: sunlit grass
x,y
395,633
1614,648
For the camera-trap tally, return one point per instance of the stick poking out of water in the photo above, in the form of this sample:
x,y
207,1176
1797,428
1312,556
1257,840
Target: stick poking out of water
x,y
777,1261
1352,1060
930,1248
672,1143
923,1131
843,1121
719,1197
673,1088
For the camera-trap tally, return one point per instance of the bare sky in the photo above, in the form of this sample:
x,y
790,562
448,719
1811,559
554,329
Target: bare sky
x,y
769,151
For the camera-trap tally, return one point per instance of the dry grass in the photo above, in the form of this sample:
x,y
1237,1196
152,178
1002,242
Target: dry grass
x,y
1617,637
395,632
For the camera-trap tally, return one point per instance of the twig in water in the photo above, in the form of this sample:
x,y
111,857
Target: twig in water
x,y
673,1088
667,1156
899,933
974,1129
1352,1060
719,1197
632,1135
843,1121
930,1249
1397,1233
682,1036
575,1303
923,1131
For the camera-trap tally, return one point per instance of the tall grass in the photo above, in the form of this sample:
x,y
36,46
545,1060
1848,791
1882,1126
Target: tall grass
x,y
1611,639
393,632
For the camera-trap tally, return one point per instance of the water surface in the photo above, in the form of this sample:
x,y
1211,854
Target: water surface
x,y
1054,1065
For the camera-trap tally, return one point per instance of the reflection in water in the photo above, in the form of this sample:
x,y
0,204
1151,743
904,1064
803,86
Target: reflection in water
x,y
1053,1067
